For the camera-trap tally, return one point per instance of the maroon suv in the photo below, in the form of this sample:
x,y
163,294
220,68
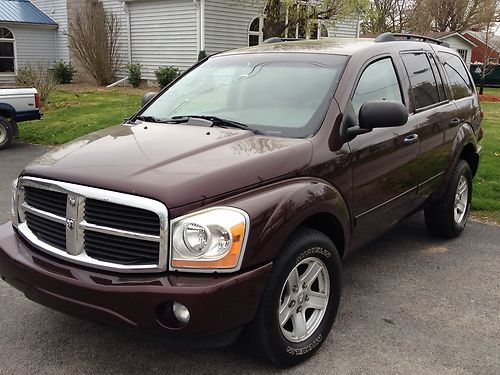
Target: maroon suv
x,y
227,202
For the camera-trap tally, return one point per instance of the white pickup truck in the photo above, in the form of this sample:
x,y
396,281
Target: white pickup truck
x,y
16,105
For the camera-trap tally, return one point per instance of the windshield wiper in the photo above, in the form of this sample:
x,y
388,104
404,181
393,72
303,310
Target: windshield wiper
x,y
220,122
159,120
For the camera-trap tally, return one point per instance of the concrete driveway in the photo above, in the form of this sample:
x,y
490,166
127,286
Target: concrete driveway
x,y
411,305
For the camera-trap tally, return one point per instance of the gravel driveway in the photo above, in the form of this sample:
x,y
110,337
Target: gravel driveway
x,y
411,305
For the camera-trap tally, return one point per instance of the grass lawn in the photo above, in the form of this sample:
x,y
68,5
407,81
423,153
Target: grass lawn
x,y
486,197
69,115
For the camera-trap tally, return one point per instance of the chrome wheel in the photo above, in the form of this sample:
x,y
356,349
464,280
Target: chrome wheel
x,y
304,299
461,199
3,134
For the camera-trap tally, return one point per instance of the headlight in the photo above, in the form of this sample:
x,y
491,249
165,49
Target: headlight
x,y
14,214
209,240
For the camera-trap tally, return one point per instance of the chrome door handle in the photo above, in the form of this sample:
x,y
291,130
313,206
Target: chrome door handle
x,y
411,139
455,122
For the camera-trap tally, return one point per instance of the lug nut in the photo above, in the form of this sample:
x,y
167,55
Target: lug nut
x,y
295,289
299,309
292,303
307,298
304,286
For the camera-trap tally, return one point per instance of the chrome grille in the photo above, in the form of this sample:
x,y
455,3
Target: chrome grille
x,y
121,217
94,227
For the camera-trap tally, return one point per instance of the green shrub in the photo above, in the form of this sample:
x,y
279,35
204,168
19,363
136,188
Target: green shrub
x,y
202,55
166,74
64,72
134,74
38,76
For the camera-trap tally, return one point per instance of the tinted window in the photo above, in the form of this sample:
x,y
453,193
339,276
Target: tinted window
x,y
457,74
378,82
423,82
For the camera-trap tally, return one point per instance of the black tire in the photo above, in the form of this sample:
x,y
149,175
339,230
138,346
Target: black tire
x,y
6,133
265,333
440,215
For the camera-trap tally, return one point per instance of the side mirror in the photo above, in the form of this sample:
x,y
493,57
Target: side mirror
x,y
147,98
382,114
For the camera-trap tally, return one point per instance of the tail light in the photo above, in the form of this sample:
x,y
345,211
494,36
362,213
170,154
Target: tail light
x,y
37,101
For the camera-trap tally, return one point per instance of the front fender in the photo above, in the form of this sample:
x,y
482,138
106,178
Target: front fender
x,y
277,210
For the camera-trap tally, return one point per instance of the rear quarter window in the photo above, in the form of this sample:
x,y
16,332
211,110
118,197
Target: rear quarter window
x,y
457,75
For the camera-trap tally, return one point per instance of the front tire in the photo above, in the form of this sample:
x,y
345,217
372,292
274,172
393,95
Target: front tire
x,y
300,301
6,133
447,217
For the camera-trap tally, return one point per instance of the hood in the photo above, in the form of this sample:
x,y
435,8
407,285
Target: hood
x,y
176,164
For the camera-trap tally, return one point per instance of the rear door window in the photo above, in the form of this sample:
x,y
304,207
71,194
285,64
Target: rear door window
x,y
423,82
378,82
457,74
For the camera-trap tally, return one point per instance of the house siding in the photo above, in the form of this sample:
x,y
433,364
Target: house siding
x,y
57,10
347,28
163,33
32,45
227,23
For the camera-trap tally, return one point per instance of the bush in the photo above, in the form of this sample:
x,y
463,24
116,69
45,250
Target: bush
x,y
166,74
38,76
134,74
64,72
202,55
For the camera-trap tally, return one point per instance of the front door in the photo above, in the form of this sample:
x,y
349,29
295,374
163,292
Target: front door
x,y
384,161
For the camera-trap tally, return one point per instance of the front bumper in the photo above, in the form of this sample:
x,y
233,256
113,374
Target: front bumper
x,y
217,303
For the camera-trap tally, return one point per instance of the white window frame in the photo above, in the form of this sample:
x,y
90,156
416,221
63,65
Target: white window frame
x,y
13,41
259,33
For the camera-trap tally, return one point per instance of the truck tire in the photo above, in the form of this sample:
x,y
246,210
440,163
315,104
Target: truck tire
x,y
300,301
6,133
447,217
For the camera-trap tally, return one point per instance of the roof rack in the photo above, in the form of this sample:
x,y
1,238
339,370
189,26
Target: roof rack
x,y
276,39
392,37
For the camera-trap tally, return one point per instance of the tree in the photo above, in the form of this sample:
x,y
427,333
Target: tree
x,y
451,15
93,38
386,15
492,45
283,17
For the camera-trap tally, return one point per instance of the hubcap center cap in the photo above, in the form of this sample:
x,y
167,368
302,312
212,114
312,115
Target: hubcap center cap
x,y
300,298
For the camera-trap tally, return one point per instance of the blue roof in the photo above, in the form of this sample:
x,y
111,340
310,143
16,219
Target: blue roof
x,y
23,11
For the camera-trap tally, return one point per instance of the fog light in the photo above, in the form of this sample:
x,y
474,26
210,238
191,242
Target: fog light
x,y
181,312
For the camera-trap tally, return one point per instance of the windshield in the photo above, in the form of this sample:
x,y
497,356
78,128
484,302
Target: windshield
x,y
276,94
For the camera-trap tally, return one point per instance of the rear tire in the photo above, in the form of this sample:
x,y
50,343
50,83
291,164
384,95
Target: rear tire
x,y
447,217
6,133
300,301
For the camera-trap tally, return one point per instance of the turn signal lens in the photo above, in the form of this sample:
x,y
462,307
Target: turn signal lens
x,y
209,240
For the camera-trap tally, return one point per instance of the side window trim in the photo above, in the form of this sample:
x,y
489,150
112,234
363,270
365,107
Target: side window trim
x,y
437,73
411,94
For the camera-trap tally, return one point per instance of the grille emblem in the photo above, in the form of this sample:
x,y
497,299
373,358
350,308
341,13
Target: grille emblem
x,y
70,224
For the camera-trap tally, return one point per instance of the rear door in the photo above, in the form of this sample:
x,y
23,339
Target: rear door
x,y
433,112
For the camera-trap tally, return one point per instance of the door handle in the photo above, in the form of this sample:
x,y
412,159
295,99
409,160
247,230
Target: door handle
x,y
455,122
411,139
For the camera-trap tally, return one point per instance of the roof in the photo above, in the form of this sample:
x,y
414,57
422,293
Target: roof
x,y
481,37
442,35
340,46
23,11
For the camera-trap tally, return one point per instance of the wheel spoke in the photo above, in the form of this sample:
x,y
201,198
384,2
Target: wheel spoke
x,y
299,324
311,273
285,313
462,187
317,301
293,279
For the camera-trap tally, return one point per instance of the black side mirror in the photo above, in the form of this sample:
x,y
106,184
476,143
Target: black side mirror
x,y
147,98
382,114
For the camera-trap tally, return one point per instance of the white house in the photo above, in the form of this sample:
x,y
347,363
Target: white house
x,y
27,36
172,32
456,41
